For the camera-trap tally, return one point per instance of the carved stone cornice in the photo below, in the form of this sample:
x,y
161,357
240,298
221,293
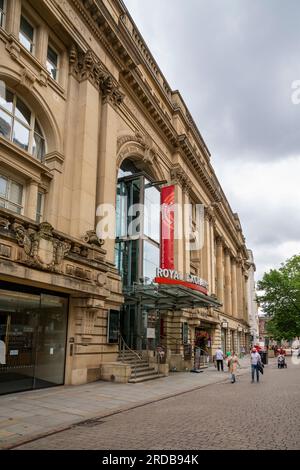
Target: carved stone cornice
x,y
86,66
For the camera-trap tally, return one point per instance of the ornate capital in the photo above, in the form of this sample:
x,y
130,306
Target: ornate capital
x,y
86,66
219,240
181,178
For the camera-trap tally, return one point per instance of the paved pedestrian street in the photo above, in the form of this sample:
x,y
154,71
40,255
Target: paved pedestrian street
x,y
219,416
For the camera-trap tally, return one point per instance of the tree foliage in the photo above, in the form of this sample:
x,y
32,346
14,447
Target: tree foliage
x,y
280,299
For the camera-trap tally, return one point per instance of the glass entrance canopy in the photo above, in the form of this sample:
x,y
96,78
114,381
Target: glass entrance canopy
x,y
168,297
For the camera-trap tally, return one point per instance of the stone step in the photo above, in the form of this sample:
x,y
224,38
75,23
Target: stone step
x,y
143,379
134,363
143,373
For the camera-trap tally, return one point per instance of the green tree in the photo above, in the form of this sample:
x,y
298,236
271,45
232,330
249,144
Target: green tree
x,y
280,299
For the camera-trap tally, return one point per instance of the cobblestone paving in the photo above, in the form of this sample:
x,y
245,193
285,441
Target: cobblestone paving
x,y
219,416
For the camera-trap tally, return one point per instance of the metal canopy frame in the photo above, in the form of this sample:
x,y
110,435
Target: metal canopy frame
x,y
167,297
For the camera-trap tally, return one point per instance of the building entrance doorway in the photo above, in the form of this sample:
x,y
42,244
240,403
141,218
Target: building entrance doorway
x,y
33,330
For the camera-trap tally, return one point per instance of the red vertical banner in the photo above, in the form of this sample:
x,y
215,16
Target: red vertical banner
x,y
167,227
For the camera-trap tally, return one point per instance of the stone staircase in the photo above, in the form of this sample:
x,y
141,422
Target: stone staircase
x,y
140,368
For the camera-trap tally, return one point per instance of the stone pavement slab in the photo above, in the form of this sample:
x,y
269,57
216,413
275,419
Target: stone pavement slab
x,y
28,415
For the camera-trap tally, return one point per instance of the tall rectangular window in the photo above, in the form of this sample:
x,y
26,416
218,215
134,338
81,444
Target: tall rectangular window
x,y
26,34
39,208
2,12
11,194
52,63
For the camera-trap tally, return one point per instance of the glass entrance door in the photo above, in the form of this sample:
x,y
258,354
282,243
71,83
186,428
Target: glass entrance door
x,y
51,342
32,340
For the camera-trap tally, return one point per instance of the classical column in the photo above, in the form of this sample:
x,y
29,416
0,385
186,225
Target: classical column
x,y
234,287
107,171
187,229
245,303
213,257
206,252
220,271
31,203
239,290
13,17
228,300
85,160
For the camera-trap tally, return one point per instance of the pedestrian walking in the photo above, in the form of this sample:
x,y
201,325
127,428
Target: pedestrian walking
x,y
219,356
233,363
255,364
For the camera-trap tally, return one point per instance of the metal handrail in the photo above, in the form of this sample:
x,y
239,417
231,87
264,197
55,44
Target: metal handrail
x,y
124,346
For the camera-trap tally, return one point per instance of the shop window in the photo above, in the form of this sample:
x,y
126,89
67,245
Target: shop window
x,y
26,34
52,62
19,124
11,194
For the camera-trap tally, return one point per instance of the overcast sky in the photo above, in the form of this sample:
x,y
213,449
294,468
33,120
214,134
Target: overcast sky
x,y
234,62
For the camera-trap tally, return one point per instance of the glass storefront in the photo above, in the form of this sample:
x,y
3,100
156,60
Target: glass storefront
x,y
33,328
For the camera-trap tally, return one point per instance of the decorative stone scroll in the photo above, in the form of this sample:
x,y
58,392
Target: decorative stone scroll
x,y
92,238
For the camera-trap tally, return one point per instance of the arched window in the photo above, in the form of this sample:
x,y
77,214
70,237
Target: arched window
x,y
19,124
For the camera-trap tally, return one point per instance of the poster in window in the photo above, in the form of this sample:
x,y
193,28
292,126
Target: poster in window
x,y
113,326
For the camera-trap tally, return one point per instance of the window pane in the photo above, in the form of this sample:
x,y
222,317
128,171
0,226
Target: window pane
x,y
152,213
52,56
26,34
5,124
2,203
6,98
22,111
15,193
51,69
37,128
39,206
150,261
38,146
14,208
26,28
21,135
3,186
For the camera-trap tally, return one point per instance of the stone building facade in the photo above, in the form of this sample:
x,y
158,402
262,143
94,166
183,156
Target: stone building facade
x,y
83,104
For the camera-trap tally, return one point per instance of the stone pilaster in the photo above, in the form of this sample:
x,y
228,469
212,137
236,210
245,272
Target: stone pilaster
x,y
228,299
220,271
107,174
13,15
31,204
206,252
234,287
